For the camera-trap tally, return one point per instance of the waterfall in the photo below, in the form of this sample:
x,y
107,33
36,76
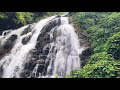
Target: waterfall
x,y
45,49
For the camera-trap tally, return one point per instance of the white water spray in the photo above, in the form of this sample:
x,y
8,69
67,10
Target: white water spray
x,y
68,49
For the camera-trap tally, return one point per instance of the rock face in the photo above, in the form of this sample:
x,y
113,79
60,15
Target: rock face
x,y
84,42
39,54
27,30
10,42
25,40
8,45
6,32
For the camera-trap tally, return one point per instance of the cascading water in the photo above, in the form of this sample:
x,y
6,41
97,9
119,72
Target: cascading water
x,y
44,49
65,50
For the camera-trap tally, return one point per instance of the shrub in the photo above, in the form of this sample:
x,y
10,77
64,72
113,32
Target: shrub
x,y
113,46
101,65
23,18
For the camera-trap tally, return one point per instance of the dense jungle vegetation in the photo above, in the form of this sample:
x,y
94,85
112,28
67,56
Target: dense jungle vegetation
x,y
103,30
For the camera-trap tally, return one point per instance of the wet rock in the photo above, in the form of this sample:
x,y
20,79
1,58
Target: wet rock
x,y
26,73
46,51
25,40
44,36
36,51
6,32
55,33
30,66
8,45
47,38
40,68
43,46
27,30
3,52
41,61
36,57
85,56
1,72
44,57
40,56
10,41
48,27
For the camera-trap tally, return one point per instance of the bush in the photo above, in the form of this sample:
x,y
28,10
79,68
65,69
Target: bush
x,y
113,46
97,38
23,18
101,65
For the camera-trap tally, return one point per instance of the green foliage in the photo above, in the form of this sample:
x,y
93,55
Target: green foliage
x,y
23,18
97,38
113,46
103,31
88,18
100,26
38,15
101,65
2,15
110,20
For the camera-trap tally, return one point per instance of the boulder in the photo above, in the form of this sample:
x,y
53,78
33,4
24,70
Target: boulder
x,y
27,30
25,40
10,41
85,56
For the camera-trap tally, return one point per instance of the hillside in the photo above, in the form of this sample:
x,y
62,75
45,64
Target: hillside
x,y
98,32
103,30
